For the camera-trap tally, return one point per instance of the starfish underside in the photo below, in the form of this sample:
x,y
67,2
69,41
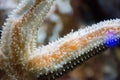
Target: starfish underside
x,y
21,59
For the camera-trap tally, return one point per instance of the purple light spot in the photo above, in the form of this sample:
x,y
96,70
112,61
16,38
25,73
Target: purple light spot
x,y
111,39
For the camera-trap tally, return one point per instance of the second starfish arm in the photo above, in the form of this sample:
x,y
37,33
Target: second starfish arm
x,y
57,58
19,38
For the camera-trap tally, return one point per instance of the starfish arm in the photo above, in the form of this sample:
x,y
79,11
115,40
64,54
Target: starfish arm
x,y
14,15
19,33
57,58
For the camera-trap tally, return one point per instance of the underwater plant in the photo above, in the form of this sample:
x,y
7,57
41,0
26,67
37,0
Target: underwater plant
x,y
20,58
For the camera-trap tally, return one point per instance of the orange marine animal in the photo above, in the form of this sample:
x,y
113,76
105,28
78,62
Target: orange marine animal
x,y
21,59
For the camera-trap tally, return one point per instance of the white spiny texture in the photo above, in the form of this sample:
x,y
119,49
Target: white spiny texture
x,y
53,57
22,60
19,34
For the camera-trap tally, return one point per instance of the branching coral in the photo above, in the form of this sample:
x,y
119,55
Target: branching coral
x,y
21,59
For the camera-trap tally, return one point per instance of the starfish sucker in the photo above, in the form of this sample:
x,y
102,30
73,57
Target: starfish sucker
x,y
21,59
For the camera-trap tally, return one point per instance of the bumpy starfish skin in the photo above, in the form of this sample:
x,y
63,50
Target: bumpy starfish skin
x,y
58,57
19,35
22,60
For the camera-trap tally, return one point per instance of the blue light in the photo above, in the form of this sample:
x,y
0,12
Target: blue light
x,y
111,39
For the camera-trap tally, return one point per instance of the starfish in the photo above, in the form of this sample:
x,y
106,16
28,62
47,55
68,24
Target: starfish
x,y
21,59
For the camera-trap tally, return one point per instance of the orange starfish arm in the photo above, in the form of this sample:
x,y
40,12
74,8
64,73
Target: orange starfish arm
x,y
57,58
19,36
19,33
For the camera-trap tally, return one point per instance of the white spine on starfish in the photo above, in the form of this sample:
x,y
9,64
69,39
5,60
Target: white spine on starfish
x,y
53,56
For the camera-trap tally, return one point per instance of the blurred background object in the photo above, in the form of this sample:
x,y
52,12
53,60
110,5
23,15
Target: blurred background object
x,y
70,15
